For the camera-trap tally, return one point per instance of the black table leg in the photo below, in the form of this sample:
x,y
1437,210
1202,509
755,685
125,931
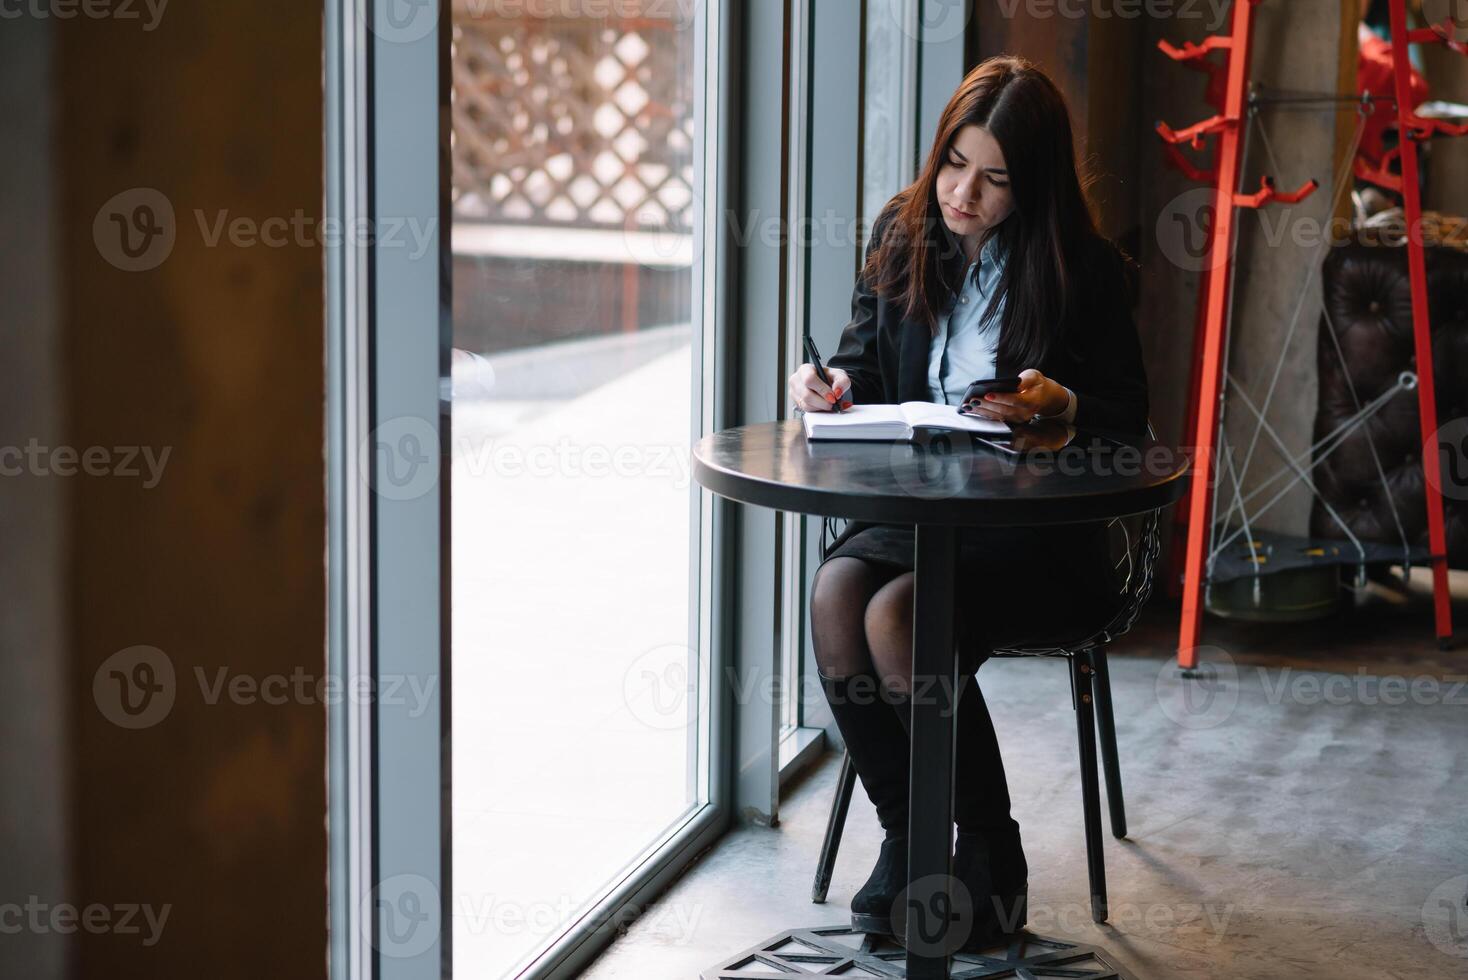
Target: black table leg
x,y
1090,790
929,907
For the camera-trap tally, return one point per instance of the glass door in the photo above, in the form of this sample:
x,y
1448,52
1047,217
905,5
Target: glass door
x,y
526,321
580,683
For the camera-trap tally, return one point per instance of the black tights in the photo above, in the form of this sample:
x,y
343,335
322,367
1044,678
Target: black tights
x,y
861,623
858,613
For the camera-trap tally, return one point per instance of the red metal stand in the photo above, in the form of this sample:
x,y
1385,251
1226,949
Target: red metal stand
x,y
1227,125
1214,96
1410,126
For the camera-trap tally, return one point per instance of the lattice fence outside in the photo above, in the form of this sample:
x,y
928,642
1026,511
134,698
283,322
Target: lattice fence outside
x,y
573,121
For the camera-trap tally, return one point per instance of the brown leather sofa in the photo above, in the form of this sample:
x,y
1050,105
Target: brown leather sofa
x,y
1368,310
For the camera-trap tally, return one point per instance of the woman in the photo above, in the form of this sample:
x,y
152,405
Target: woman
x,y
988,265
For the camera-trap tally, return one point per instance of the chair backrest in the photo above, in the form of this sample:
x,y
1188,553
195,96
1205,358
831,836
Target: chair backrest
x,y
1134,575
1135,543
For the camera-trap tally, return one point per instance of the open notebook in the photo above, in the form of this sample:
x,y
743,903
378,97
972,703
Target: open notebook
x,y
894,422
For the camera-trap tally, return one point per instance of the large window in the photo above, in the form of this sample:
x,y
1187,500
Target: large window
x,y
521,355
576,527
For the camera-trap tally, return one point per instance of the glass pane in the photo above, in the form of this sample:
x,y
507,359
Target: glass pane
x,y
887,159
575,743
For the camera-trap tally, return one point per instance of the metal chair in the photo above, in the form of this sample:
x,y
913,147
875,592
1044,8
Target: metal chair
x,y
1089,680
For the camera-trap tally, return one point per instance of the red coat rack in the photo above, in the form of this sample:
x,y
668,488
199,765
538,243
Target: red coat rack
x,y
1410,126
1207,385
1214,96
1228,127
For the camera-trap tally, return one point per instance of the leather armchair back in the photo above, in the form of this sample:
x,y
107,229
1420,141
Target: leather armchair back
x,y
1368,310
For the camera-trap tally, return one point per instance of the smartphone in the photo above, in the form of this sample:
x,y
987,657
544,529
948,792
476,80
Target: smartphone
x,y
978,389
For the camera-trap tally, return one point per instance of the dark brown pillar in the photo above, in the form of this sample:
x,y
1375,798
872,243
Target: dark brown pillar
x,y
212,355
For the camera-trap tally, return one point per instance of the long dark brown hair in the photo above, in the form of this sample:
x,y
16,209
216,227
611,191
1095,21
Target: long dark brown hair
x,y
1049,237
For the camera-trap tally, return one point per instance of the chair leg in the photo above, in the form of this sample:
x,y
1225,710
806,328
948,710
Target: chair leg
x,y
1106,729
845,786
1090,791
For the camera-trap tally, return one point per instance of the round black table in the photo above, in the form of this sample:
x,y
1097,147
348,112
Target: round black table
x,y
940,482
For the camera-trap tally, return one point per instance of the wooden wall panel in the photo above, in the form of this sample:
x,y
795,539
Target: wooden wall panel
x,y
215,356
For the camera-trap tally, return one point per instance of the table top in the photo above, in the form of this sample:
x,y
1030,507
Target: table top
x,y
949,480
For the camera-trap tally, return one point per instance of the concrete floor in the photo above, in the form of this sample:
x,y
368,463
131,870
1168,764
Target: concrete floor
x,y
1298,816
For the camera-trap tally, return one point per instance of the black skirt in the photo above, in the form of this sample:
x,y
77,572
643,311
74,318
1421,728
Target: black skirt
x,y
1015,586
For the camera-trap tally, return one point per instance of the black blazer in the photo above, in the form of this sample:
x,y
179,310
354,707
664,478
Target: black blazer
x,y
886,354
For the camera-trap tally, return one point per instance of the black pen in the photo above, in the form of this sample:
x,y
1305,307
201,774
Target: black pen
x,y
815,359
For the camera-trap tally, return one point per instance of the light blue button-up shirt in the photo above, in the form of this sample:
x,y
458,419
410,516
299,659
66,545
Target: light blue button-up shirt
x,y
963,349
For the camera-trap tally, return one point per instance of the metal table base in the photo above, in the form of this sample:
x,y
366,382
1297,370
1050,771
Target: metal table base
x,y
838,951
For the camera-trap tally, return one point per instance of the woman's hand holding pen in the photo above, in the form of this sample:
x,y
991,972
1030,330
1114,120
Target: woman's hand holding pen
x,y
1037,395
809,392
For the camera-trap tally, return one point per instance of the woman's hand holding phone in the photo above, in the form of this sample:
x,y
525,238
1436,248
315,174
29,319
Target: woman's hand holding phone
x,y
1037,395
809,392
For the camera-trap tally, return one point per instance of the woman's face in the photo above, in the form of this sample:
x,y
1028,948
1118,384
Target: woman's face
x,y
973,185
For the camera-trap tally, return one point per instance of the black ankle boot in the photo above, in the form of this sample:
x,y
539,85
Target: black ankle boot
x,y
879,748
992,867
871,906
